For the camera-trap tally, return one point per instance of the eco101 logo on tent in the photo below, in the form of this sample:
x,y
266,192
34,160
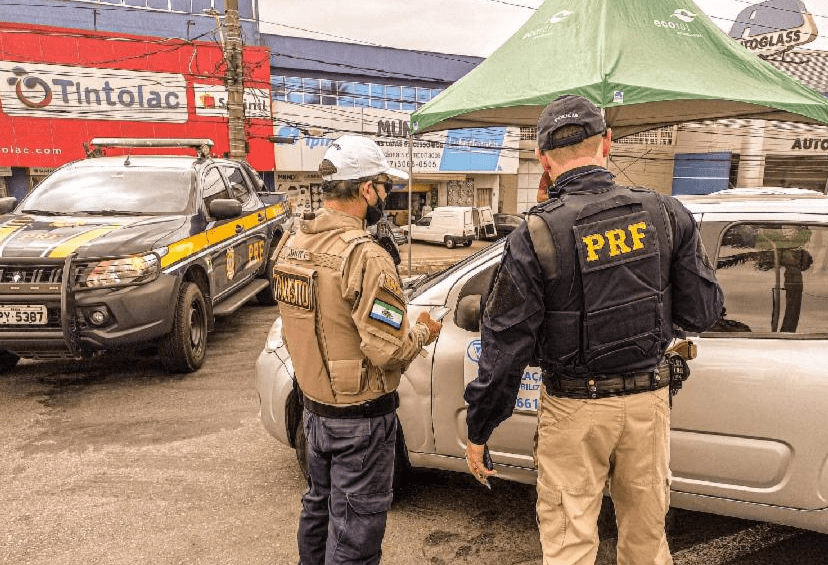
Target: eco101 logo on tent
x,y
679,22
62,91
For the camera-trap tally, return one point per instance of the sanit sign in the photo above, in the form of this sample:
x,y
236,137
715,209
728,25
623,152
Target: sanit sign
x,y
65,92
774,26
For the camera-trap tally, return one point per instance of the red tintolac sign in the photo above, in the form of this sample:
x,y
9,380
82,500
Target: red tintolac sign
x,y
59,88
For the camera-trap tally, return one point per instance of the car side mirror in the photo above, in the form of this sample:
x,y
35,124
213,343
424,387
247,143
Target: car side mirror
x,y
7,204
225,208
467,315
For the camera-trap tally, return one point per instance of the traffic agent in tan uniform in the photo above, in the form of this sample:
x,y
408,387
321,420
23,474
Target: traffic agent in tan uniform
x,y
347,330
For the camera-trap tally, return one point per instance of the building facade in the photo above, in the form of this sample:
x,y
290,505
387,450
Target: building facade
x,y
322,89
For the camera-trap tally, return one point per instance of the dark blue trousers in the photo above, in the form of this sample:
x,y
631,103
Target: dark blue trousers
x,y
351,468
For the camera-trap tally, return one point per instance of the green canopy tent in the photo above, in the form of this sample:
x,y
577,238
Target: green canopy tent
x,y
648,63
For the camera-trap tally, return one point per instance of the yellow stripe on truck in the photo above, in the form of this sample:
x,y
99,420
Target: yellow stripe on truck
x,y
71,244
276,210
184,248
197,243
10,228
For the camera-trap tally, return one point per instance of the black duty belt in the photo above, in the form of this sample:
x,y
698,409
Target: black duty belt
x,y
601,386
381,406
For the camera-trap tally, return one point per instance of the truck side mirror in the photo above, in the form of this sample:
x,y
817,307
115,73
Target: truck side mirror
x,y
7,204
467,314
225,208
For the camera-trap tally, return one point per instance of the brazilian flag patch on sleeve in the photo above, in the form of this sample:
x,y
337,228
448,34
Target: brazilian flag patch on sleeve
x,y
387,314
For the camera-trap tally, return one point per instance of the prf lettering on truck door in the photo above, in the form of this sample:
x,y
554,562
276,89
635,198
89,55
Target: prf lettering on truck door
x,y
614,241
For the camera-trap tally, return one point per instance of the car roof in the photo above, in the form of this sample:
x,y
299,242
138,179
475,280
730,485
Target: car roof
x,y
761,199
149,161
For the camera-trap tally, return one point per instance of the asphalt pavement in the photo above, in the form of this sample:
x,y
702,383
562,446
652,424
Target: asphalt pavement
x,y
111,461
430,257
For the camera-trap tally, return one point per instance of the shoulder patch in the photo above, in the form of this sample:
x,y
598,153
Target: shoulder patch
x,y
386,314
389,283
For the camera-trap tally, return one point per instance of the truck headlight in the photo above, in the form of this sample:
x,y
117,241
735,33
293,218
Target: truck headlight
x,y
119,272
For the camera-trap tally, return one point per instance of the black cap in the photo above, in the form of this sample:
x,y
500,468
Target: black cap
x,y
569,110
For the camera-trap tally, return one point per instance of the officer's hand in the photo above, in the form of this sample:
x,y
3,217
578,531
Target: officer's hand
x,y
434,326
474,459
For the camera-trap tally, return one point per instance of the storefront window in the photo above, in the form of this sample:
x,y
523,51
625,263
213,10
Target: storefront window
x,y
393,93
350,93
798,171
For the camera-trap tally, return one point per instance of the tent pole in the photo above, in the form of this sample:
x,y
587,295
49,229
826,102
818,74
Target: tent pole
x,y
410,184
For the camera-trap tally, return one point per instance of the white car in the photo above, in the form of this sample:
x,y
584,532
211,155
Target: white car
x,y
748,429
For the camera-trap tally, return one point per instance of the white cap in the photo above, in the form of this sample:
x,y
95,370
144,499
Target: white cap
x,y
357,157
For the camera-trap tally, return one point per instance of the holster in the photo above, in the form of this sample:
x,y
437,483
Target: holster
x,y
676,358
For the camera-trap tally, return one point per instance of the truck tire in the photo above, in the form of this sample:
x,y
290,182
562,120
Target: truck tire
x,y
467,243
450,242
8,361
183,350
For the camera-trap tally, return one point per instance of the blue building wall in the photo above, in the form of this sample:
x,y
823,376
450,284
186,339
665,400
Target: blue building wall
x,y
290,56
184,19
295,56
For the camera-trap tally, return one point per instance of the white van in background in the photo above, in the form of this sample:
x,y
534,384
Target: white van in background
x,y
453,225
484,222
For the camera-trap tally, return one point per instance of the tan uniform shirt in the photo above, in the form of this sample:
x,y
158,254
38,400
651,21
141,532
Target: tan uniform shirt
x,y
352,339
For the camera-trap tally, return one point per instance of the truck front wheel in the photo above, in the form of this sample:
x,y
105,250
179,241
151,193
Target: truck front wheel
x,y
8,361
183,350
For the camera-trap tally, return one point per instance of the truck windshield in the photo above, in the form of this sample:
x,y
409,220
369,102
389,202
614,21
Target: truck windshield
x,y
109,191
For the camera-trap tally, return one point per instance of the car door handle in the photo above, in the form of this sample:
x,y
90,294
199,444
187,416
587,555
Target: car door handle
x,y
261,216
239,228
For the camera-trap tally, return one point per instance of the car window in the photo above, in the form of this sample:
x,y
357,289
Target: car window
x,y
435,278
239,185
214,186
111,190
424,221
775,278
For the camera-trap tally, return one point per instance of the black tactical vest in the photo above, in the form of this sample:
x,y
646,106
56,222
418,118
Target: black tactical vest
x,y
608,308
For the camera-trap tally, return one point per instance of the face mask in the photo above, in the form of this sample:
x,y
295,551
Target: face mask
x,y
375,212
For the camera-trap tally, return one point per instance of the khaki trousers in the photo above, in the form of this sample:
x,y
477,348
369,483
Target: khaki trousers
x,y
584,445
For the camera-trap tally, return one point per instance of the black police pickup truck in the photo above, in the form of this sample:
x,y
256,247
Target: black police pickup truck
x,y
121,252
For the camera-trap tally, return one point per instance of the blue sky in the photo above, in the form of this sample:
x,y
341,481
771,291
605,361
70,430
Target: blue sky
x,y
462,27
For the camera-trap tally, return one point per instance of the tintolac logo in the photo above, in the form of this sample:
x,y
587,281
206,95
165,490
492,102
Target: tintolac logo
x,y
37,93
774,26
62,91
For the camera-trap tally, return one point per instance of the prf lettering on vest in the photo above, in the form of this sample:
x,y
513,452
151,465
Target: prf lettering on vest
x,y
615,240
295,290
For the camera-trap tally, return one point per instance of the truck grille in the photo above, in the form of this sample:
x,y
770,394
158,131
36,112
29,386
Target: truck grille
x,y
31,274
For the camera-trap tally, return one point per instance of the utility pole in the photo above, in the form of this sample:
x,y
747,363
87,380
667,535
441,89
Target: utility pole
x,y
234,80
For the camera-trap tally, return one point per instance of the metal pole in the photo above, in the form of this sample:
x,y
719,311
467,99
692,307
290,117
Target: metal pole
x,y
410,184
235,81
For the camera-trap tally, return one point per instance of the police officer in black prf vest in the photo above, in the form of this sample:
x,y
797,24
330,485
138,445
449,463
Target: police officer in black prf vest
x,y
592,286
